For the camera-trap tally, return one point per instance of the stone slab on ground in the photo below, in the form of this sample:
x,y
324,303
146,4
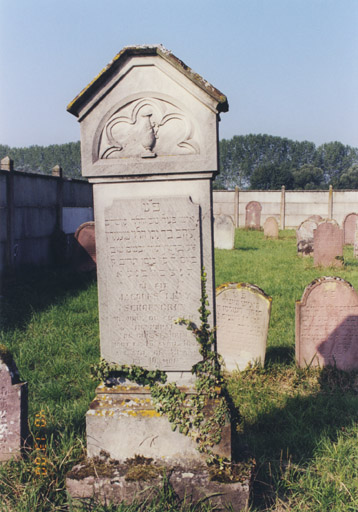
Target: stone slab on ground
x,y
242,318
224,232
116,483
327,324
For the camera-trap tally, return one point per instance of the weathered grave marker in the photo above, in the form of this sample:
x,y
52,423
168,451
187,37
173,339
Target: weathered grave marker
x,y
349,226
149,146
224,232
328,244
304,237
271,227
316,218
253,215
355,248
13,408
84,251
242,318
327,324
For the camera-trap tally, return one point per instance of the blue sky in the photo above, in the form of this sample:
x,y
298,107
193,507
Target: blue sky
x,y
288,67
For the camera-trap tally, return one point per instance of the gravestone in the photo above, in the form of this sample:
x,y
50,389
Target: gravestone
x,y
253,215
355,248
242,318
349,226
328,244
327,324
271,227
149,134
316,218
224,232
84,250
304,237
13,408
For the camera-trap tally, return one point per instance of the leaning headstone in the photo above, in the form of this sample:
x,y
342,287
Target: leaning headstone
x,y
84,249
328,245
349,226
271,227
224,232
327,324
149,132
355,248
13,408
242,318
304,237
253,215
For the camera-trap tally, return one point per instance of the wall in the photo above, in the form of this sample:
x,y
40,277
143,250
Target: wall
x,y
290,208
32,207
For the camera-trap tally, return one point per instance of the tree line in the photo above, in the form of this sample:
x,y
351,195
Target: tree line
x,y
261,162
266,162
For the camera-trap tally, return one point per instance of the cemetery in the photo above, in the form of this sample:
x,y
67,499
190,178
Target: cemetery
x,y
180,362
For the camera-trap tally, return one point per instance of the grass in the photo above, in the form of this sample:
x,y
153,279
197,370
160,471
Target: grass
x,y
300,425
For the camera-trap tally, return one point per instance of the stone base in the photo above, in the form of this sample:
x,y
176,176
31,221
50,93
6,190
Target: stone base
x,y
122,421
109,481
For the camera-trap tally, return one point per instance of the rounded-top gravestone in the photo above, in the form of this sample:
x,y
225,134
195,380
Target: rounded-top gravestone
x,y
328,244
349,226
271,227
84,251
253,215
224,232
304,237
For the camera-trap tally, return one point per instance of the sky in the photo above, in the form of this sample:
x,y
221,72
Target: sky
x,y
289,68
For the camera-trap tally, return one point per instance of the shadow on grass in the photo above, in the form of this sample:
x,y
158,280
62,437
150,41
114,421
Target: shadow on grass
x,y
279,355
293,432
246,249
34,290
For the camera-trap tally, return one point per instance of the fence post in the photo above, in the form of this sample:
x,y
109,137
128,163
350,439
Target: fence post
x,y
283,207
236,207
7,164
330,202
57,172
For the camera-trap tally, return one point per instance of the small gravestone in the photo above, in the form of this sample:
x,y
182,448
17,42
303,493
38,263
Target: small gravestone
x,y
253,215
328,244
13,408
224,232
355,248
304,237
84,251
242,318
349,226
327,324
271,227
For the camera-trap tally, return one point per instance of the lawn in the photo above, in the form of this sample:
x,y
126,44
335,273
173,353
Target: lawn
x,y
300,425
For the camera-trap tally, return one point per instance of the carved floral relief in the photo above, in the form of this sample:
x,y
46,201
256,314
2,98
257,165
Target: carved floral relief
x,y
146,128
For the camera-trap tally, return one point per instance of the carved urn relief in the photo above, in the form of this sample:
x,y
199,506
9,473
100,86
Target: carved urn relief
x,y
146,128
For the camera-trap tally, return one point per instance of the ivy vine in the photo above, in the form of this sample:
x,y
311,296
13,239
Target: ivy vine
x,y
186,412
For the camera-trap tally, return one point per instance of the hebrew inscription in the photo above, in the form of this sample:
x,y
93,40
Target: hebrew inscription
x,y
243,314
153,276
146,128
327,325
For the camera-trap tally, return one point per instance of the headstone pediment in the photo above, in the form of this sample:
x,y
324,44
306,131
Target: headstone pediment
x,y
148,113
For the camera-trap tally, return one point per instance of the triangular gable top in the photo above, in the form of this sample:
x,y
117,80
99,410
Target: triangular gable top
x,y
102,78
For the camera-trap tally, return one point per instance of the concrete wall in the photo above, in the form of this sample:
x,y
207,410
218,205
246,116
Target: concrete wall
x,y
32,207
290,208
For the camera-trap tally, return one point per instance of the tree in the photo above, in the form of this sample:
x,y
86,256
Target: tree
x,y
349,179
308,177
271,177
335,158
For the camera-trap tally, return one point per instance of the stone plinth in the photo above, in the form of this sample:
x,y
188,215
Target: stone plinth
x,y
124,409
224,232
242,316
271,227
327,324
349,226
328,245
304,237
13,409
